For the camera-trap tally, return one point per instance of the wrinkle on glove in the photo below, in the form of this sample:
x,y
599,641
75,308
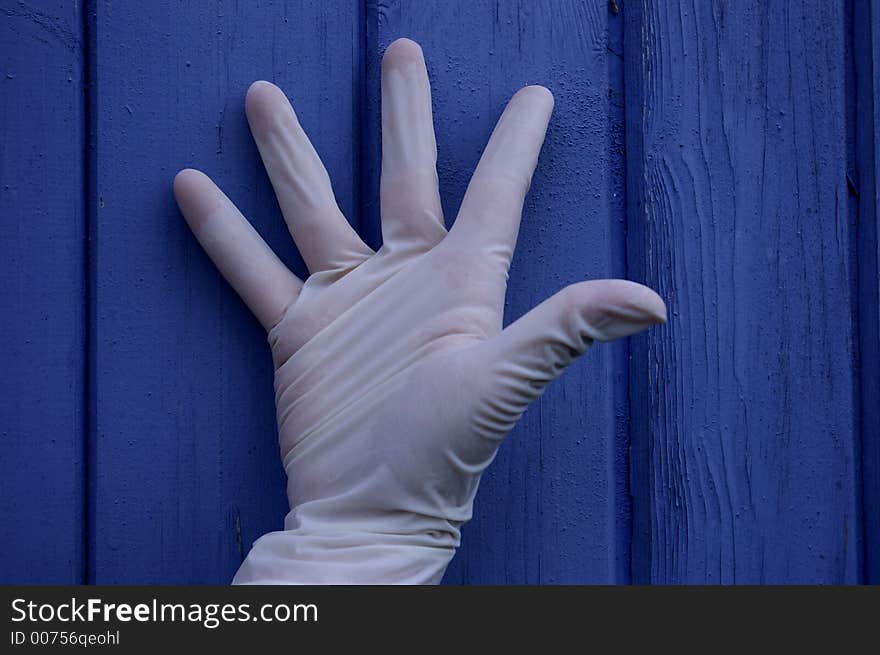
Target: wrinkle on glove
x,y
394,381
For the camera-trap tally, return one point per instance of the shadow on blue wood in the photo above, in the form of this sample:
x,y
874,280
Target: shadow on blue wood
x,y
866,48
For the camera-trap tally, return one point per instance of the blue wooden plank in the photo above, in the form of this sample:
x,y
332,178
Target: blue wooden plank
x,y
187,471
866,47
42,275
744,406
553,507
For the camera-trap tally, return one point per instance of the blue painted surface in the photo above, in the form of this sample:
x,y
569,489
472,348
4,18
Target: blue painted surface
x,y
42,293
745,405
743,188
866,48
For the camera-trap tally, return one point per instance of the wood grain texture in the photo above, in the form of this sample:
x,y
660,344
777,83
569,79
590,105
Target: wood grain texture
x,y
866,48
187,472
42,296
745,439
750,203
553,507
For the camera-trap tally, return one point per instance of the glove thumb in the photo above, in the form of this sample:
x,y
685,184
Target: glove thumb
x,y
535,349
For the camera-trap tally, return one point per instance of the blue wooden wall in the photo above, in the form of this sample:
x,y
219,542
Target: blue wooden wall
x,y
43,293
723,153
746,405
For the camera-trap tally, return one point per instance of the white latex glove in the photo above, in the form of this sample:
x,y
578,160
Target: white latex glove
x,y
394,381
